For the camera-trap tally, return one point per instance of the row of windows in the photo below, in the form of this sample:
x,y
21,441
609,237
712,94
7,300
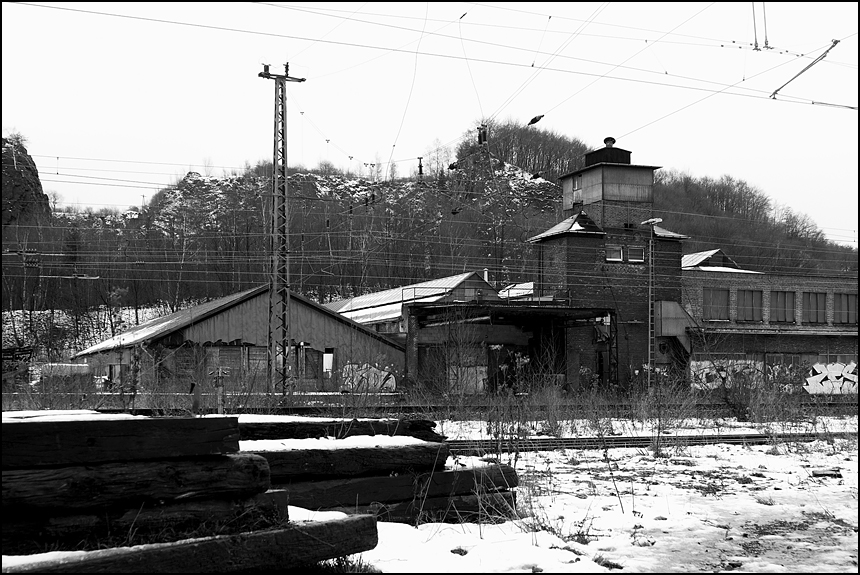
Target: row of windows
x,y
715,306
635,254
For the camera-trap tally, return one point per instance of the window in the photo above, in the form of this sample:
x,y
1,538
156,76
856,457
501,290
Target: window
x,y
635,254
715,304
782,306
749,305
328,362
614,254
577,182
814,307
845,308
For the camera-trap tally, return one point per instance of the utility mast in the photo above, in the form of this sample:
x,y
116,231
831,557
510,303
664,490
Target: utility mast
x,y
279,282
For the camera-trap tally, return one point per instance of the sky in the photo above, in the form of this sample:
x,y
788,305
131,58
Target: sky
x,y
118,100
712,508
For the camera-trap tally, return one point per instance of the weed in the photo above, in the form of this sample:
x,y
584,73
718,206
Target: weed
x,y
765,500
604,562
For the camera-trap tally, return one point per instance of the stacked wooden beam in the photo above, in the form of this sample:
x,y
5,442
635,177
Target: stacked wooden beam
x,y
379,467
73,475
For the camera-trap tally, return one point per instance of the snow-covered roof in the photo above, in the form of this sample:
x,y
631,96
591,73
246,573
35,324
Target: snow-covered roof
x,y
581,223
395,297
712,261
721,269
713,258
167,324
517,290
578,224
386,312
691,260
664,233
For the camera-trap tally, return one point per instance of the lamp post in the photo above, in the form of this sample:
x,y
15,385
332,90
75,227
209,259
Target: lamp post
x,y
650,222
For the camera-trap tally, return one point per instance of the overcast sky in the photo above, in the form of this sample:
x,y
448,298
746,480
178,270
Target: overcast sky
x,y
119,99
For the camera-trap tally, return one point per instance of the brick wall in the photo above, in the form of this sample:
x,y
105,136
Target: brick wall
x,y
588,280
695,281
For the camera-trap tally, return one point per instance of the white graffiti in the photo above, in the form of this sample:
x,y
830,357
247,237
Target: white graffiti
x,y
832,378
366,377
714,374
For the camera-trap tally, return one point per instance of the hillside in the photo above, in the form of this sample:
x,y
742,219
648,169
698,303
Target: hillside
x,y
206,237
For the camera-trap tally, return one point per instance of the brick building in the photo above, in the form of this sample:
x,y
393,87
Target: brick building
x,y
697,314
770,327
609,252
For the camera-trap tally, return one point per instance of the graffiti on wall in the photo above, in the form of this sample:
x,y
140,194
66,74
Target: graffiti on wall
x,y
831,378
365,377
712,374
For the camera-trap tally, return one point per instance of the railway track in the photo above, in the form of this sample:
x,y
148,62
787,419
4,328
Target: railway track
x,y
488,446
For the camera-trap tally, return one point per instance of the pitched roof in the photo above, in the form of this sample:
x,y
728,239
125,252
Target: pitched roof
x,y
517,290
664,233
708,258
578,224
692,260
164,325
388,304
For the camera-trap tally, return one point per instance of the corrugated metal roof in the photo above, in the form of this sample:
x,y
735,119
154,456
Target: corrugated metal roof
x,y
169,323
399,295
692,260
664,233
165,325
578,224
517,290
387,312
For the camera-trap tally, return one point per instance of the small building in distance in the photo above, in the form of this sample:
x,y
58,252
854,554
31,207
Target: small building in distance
x,y
229,336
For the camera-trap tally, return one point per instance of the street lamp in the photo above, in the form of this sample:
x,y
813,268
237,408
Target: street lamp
x,y
651,339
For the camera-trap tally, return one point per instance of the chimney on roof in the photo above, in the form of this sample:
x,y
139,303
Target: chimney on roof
x,y
610,141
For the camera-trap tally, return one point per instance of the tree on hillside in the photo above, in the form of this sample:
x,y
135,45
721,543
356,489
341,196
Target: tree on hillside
x,y
533,149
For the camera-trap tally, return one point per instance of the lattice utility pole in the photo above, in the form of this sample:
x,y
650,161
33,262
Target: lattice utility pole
x,y
279,283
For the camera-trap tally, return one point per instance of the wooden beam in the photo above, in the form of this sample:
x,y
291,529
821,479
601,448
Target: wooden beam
x,y
306,464
485,508
349,493
296,545
45,490
37,442
149,519
338,428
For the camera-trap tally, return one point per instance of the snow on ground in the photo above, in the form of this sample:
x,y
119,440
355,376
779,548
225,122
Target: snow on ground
x,y
741,508
781,507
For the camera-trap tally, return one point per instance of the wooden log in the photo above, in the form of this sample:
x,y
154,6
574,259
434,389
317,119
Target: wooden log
x,y
109,484
293,546
485,508
294,464
27,534
353,492
338,428
40,442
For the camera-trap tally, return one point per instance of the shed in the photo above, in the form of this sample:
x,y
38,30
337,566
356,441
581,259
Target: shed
x,y
229,336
